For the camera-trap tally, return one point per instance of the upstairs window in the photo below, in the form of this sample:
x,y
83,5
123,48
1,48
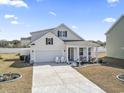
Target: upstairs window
x,y
49,41
59,33
62,33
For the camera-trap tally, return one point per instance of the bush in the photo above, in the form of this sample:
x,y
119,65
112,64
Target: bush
x,y
100,60
22,58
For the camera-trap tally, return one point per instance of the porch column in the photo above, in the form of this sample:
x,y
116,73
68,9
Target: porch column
x,y
96,54
87,54
67,54
78,53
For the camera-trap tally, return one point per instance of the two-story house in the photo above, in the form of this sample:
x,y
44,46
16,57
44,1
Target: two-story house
x,y
60,41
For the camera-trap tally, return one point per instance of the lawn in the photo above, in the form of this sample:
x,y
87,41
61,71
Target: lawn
x,y
102,75
11,63
105,75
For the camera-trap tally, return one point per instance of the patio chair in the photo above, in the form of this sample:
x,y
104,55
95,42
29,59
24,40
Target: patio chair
x,y
62,59
84,59
57,60
79,61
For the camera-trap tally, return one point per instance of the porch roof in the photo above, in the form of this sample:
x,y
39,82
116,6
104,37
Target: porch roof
x,y
82,43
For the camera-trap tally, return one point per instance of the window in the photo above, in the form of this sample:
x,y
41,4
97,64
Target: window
x,y
62,33
49,41
59,33
81,51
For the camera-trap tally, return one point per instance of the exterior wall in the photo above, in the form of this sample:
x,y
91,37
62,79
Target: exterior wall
x,y
94,53
40,45
115,41
70,34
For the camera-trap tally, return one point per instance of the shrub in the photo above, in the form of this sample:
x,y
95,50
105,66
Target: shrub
x,y
22,58
100,60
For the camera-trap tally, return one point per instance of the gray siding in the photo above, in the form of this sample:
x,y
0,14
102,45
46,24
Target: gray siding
x,y
115,40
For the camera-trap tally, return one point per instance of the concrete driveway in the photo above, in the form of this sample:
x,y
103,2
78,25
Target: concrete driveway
x,y
61,79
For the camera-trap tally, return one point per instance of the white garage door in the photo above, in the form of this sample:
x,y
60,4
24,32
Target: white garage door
x,y
47,55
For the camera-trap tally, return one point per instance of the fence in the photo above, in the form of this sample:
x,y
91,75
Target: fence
x,y
24,51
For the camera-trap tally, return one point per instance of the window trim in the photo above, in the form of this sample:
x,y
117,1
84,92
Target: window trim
x,y
62,33
49,41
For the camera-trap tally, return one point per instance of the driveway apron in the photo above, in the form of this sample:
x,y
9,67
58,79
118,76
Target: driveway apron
x,y
61,79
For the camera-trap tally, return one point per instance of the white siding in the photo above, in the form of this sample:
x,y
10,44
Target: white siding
x,y
40,45
70,34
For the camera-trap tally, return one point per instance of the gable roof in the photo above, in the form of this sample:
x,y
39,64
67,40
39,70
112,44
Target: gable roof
x,y
26,38
72,40
114,24
71,30
43,32
82,43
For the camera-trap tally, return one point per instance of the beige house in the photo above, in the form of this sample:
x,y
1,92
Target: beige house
x,y
115,39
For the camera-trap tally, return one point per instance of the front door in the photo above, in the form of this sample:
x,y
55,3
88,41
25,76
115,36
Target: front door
x,y
71,54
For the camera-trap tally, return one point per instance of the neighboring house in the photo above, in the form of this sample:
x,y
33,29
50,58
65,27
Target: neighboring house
x,y
25,41
115,40
60,41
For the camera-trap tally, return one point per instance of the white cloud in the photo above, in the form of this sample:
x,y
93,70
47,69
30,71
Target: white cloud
x,y
14,22
75,27
109,20
15,3
52,13
8,16
112,1
12,18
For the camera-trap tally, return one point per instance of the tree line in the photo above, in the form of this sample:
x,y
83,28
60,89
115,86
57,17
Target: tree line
x,y
10,44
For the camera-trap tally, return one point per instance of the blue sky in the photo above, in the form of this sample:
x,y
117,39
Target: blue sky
x,y
88,18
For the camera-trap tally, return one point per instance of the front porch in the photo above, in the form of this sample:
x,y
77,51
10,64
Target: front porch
x,y
81,53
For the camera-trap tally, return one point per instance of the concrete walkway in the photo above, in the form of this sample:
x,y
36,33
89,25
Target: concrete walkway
x,y
61,79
